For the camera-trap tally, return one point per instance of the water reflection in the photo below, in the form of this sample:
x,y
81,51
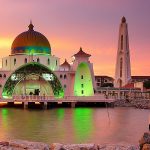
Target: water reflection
x,y
74,125
82,120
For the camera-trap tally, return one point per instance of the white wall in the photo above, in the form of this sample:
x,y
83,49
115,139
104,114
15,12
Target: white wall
x,y
20,60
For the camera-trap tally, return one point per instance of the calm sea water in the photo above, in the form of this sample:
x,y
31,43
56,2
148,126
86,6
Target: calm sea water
x,y
79,125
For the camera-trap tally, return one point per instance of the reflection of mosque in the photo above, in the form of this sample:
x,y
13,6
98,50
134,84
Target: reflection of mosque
x,y
31,69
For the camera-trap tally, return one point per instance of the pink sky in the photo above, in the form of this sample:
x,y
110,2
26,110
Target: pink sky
x,y
91,24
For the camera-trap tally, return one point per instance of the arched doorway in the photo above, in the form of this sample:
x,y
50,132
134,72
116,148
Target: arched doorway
x,y
29,70
33,84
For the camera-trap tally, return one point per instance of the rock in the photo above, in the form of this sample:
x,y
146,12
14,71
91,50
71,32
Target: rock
x,y
137,103
56,146
145,139
80,147
20,145
146,147
26,145
4,143
119,147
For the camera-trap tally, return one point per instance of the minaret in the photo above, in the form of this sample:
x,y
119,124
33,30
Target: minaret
x,y
123,68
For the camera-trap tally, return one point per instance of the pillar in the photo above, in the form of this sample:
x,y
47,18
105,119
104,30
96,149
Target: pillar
x,y
25,105
44,105
73,104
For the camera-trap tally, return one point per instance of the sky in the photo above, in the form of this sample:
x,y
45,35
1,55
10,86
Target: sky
x,y
90,24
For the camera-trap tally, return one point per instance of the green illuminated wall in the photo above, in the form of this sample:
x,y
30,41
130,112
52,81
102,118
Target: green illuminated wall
x,y
83,87
31,68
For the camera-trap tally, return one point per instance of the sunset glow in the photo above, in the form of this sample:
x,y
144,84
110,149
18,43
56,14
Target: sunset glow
x,y
93,25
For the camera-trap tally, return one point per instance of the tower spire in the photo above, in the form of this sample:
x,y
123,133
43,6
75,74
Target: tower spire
x,y
123,20
31,26
123,68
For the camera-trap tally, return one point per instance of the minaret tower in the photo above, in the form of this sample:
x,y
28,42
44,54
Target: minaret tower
x,y
123,68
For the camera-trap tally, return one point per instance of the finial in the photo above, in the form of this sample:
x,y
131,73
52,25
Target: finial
x,y
31,26
123,20
80,48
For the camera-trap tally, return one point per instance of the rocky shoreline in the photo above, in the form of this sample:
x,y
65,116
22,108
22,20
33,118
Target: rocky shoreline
x,y
144,144
137,103
26,145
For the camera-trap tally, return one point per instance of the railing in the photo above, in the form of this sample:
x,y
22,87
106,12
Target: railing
x,y
34,98
97,97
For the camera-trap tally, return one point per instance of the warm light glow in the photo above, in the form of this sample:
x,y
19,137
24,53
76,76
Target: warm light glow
x,y
37,103
17,103
91,27
3,103
5,43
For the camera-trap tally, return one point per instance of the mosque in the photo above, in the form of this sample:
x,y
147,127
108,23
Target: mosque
x,y
32,69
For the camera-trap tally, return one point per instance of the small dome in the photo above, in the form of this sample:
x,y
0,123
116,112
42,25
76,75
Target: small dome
x,y
30,42
65,64
81,53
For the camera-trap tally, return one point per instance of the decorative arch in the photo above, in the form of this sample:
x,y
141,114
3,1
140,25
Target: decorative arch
x,y
83,85
32,68
119,82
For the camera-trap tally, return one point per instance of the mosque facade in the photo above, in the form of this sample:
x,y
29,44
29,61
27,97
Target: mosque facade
x,y
31,69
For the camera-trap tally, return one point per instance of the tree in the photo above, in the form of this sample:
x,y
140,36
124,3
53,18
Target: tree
x,y
147,84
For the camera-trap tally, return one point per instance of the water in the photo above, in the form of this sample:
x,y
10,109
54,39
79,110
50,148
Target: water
x,y
79,125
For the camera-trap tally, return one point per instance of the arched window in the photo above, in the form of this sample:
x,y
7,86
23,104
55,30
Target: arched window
x,y
121,41
65,86
61,76
56,62
38,60
82,85
65,76
48,61
121,62
81,76
0,75
82,91
6,62
15,61
4,75
25,60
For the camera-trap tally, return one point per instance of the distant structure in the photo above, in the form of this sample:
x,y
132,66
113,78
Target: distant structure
x,y
123,68
104,81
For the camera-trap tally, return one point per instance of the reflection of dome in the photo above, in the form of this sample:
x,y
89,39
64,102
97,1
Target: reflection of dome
x,y
30,42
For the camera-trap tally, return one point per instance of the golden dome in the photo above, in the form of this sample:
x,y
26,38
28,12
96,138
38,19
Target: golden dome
x,y
30,42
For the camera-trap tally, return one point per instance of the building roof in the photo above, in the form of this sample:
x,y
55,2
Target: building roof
x,y
140,77
129,85
81,53
65,64
104,77
30,42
